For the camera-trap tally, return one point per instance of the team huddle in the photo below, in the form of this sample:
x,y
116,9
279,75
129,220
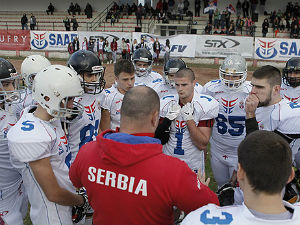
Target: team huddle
x,y
48,127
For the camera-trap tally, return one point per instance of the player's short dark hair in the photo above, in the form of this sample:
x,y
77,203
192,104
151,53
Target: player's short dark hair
x,y
186,72
139,102
123,66
266,158
271,73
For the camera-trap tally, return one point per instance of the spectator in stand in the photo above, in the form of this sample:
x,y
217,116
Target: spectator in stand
x,y
71,9
70,48
205,4
239,24
85,44
67,23
287,20
114,48
276,25
223,19
167,51
294,31
77,9
165,6
245,7
75,44
139,15
217,18
107,50
134,46
50,9
75,23
147,10
231,29
208,29
171,5
32,22
296,10
210,12
253,6
159,6
161,17
186,5
88,11
227,18
265,26
156,50
272,17
248,23
133,8
197,7
100,48
180,7
238,8
108,15
262,7
24,21
282,23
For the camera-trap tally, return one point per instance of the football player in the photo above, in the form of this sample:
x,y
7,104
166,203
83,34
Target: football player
x,y
168,85
31,65
13,200
231,91
91,73
142,61
40,149
189,117
124,80
264,158
290,87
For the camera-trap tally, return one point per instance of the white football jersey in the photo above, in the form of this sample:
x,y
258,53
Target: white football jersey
x,y
283,117
238,215
113,102
162,89
86,128
180,144
151,80
32,139
10,178
290,93
229,127
28,100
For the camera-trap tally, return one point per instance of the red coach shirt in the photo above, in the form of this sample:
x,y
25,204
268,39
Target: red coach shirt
x,y
130,181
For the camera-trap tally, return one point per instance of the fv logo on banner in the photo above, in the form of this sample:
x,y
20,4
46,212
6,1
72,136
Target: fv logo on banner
x,y
39,41
266,49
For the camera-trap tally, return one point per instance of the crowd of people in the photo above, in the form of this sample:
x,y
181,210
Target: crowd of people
x,y
109,50
135,152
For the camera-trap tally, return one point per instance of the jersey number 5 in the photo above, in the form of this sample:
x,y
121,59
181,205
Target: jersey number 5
x,y
88,132
236,129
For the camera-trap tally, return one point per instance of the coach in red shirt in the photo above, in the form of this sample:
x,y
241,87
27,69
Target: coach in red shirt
x,y
128,178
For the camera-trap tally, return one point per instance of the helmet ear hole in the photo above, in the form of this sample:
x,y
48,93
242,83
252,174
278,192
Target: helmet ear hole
x,y
46,98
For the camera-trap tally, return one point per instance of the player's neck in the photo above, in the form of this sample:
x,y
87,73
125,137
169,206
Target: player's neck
x,y
276,100
42,113
183,101
122,91
263,203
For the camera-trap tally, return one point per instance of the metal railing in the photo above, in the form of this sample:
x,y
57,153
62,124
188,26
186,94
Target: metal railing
x,y
96,22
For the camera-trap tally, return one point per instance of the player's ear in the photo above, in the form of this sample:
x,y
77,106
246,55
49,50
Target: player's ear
x,y
276,89
240,173
155,119
292,175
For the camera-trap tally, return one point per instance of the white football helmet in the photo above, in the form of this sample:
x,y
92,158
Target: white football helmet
x,y
53,87
233,71
31,65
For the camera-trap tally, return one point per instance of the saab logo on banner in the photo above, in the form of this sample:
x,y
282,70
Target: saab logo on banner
x,y
276,49
266,49
51,40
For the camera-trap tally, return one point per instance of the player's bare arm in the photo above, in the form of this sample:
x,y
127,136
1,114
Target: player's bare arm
x,y
200,135
105,120
44,175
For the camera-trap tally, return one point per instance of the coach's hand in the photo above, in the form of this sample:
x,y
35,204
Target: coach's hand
x,y
173,110
187,111
252,102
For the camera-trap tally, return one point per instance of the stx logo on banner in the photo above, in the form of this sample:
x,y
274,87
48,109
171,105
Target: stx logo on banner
x,y
229,43
266,49
39,41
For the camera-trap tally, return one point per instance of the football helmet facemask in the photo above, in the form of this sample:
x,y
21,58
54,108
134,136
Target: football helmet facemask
x,y
53,87
142,55
292,66
10,89
86,63
31,65
171,67
233,71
